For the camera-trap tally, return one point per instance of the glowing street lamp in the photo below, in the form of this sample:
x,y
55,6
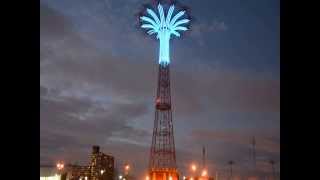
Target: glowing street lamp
x,y
102,171
60,166
204,173
120,177
147,178
193,167
127,167
164,26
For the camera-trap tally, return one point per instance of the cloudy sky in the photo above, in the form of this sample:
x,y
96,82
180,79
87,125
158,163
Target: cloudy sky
x,y
98,74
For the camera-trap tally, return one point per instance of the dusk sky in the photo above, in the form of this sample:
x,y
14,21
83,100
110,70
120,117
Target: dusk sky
x,y
98,74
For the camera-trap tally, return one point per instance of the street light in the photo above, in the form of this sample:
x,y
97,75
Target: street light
x,y
120,177
193,167
204,173
147,178
127,167
102,171
60,166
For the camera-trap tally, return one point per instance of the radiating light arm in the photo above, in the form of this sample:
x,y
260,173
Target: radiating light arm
x,y
154,16
161,13
175,33
149,20
183,21
176,17
171,9
147,26
180,28
151,32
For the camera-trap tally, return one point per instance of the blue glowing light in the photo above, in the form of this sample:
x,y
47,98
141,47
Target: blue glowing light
x,y
163,26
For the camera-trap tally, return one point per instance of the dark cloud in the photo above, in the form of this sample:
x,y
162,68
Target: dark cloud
x,y
53,22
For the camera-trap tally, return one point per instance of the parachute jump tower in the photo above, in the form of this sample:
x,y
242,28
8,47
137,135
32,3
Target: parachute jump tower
x,y
164,24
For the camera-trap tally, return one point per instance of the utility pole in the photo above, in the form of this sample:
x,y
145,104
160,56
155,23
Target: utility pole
x,y
254,153
273,170
231,163
203,157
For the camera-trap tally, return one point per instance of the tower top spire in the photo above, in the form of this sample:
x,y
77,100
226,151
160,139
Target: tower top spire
x,y
203,156
164,25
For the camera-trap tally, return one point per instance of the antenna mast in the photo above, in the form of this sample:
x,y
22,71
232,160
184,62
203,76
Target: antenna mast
x,y
254,152
203,157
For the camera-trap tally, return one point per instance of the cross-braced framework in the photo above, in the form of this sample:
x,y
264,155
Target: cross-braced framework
x,y
162,153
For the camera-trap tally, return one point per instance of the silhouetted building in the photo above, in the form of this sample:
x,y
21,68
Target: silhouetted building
x,y
101,167
77,172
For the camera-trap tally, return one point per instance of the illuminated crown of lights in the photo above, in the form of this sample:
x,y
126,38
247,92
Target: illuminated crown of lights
x,y
164,26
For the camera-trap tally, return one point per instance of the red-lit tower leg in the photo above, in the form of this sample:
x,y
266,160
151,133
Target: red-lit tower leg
x,y
162,162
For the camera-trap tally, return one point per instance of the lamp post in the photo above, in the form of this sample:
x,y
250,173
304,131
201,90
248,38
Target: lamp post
x,y
60,166
193,168
102,172
217,175
126,168
204,173
126,171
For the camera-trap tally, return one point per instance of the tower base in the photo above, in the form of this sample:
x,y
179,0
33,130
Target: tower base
x,y
163,174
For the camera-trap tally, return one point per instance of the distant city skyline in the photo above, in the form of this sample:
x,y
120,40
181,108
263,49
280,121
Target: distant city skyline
x,y
98,78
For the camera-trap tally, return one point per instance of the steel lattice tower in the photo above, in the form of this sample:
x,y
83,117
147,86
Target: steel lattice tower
x,y
162,153
162,162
